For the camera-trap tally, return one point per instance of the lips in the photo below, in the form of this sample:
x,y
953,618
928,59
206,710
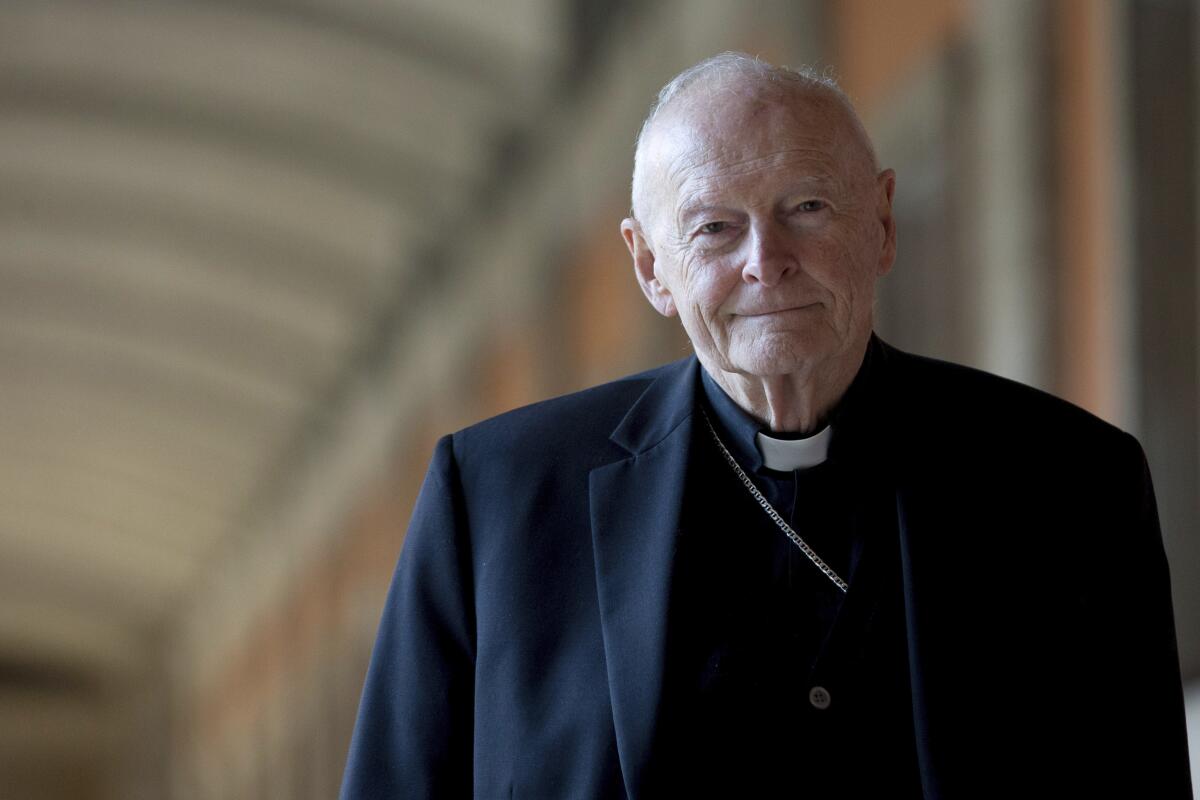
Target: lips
x,y
768,312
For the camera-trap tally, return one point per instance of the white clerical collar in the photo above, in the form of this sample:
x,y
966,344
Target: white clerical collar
x,y
786,455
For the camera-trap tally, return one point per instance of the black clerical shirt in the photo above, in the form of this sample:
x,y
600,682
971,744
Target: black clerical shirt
x,y
819,494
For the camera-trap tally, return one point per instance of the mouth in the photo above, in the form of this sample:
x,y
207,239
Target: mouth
x,y
775,311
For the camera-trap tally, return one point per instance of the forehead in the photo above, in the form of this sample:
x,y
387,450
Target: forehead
x,y
725,139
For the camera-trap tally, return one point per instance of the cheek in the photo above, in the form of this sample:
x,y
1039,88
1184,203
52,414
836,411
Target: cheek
x,y
708,284
841,266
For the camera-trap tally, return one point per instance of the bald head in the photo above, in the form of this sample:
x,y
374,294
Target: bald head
x,y
697,100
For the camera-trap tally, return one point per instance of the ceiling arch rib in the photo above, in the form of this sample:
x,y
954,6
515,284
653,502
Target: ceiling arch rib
x,y
92,535
33,578
119,504
344,280
143,388
295,363
139,266
50,454
272,66
148,574
426,188
84,540
514,49
43,338
177,432
264,191
77,482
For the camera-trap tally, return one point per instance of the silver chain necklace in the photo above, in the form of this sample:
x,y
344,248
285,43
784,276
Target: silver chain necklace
x,y
772,513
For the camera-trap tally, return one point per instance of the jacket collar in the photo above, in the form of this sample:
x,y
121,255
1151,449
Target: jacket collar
x,y
663,407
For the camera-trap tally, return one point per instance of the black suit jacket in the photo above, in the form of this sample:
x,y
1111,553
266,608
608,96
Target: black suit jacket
x,y
521,648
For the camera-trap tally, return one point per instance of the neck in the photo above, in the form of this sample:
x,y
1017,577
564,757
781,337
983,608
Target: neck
x,y
799,402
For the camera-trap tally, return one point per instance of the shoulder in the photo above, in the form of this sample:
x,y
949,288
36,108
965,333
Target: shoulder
x,y
960,404
575,425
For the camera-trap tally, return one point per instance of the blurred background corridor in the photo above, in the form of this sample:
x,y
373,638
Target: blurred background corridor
x,y
256,256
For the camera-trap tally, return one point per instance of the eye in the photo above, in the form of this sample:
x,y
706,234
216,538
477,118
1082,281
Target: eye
x,y
713,227
809,206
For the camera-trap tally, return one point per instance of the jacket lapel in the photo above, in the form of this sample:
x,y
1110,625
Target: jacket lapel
x,y
918,524
956,649
636,505
925,523
941,523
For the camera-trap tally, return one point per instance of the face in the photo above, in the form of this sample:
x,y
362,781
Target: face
x,y
765,228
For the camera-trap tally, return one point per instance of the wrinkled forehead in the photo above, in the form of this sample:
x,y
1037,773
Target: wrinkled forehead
x,y
732,133
739,145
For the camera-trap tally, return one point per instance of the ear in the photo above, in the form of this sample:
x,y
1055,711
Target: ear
x,y
885,186
644,267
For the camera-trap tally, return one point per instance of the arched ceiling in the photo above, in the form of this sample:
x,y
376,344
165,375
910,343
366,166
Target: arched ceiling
x,y
205,210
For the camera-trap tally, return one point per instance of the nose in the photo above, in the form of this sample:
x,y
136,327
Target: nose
x,y
771,256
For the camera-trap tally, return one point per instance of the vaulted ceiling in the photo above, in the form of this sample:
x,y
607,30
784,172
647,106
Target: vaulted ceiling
x,y
207,209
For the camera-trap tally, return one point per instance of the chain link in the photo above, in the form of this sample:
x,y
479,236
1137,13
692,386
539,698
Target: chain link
x,y
772,513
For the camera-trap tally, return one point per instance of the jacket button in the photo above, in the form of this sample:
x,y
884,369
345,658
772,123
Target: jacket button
x,y
819,697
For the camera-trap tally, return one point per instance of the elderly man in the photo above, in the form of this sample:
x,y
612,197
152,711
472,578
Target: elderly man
x,y
800,562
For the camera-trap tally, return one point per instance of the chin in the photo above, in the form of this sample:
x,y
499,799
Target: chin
x,y
778,355
771,361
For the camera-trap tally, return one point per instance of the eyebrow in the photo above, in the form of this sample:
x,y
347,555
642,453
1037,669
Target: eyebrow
x,y
689,213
